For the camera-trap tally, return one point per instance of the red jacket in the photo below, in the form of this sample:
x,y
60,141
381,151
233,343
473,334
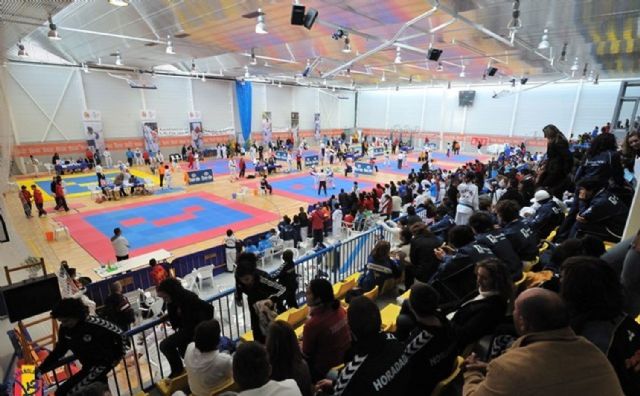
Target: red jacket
x,y
325,339
317,220
59,190
37,196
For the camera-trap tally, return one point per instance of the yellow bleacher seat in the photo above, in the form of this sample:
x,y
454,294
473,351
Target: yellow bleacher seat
x,y
609,245
521,280
403,296
294,316
389,315
638,319
527,265
247,337
353,277
229,385
445,383
372,294
168,386
340,289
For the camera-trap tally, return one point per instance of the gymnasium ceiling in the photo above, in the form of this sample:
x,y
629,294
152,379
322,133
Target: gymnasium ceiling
x,y
602,39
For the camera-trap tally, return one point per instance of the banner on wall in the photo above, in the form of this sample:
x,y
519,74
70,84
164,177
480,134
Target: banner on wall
x,y
150,130
295,125
266,126
316,125
195,130
363,168
92,122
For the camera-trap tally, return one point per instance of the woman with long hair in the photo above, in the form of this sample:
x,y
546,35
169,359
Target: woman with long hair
x,y
286,358
480,316
558,163
326,337
631,153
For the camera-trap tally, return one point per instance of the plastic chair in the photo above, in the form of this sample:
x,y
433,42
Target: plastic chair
x,y
190,283
372,294
340,289
447,382
389,315
243,192
168,386
294,316
204,274
226,386
403,296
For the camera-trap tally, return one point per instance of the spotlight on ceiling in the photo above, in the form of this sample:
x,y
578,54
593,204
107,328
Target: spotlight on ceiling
x,y
22,53
440,67
383,78
119,3
398,59
53,31
246,72
118,58
261,26
310,18
462,72
544,43
575,65
279,84
203,79
297,14
491,71
194,70
169,49
338,34
524,80
347,45
85,68
513,82
254,61
433,54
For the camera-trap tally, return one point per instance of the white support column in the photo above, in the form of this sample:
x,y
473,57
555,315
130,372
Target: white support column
x,y
143,99
442,110
386,111
514,114
231,87
82,90
266,103
576,102
191,100
424,103
317,100
633,220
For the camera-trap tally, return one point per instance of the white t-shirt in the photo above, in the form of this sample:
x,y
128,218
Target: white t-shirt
x,y
275,388
396,203
121,246
206,370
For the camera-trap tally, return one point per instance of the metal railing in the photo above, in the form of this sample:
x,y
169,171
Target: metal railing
x,y
144,364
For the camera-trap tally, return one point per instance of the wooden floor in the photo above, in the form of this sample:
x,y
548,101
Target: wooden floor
x,y
33,230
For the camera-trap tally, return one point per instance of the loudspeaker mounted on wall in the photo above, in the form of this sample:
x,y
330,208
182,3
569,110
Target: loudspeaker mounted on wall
x,y
310,18
491,71
434,54
297,14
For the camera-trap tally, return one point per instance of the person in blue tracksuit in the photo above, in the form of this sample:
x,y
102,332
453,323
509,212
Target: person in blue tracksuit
x,y
601,213
548,216
444,222
523,239
486,235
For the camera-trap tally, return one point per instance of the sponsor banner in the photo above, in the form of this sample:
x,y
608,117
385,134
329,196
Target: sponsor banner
x,y
311,160
150,136
200,176
266,126
92,122
281,155
196,132
363,168
376,151
475,141
185,132
195,116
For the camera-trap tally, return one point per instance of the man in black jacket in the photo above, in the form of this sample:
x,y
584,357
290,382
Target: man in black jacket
x,y
423,260
98,345
522,237
487,235
185,310
548,217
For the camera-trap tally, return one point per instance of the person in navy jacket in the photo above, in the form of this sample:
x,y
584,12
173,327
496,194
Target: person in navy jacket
x,y
444,222
486,235
548,216
522,237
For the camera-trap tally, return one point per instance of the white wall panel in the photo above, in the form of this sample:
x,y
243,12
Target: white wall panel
x,y
171,101
551,104
405,109
453,117
258,105
372,109
214,99
596,105
330,116
347,109
305,101
433,110
489,115
279,103
120,105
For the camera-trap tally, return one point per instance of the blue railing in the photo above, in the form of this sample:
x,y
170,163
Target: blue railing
x,y
143,365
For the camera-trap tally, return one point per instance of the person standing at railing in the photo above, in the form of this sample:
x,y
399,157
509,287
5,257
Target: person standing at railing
x,y
287,277
258,286
317,225
96,343
185,310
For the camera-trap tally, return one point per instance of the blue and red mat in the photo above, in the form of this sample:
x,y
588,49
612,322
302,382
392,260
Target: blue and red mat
x,y
167,223
301,186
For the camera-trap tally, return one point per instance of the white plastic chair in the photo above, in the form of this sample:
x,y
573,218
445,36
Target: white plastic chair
x,y
96,192
204,274
243,192
190,283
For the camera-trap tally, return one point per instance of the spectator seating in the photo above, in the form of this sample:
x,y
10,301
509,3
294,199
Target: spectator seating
x,y
168,386
372,294
448,382
389,315
227,386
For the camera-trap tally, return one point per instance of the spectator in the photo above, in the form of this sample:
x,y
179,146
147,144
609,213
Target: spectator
x,y
549,215
624,258
601,212
380,267
326,337
431,347
522,238
286,358
96,343
467,200
412,218
376,355
553,175
486,235
443,223
117,308
423,260
594,297
252,370
258,286
206,367
480,316
317,225
185,310
572,365
287,277
265,186
158,273
38,200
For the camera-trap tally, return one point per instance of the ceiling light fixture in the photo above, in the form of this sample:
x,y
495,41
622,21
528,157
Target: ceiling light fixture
x,y
440,67
333,89
119,3
398,59
53,31
194,70
261,26
563,54
575,65
595,81
515,24
544,43
203,79
279,84
254,61
118,58
22,53
462,73
246,72
383,78
169,50
584,70
85,68
449,85
347,45
524,80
